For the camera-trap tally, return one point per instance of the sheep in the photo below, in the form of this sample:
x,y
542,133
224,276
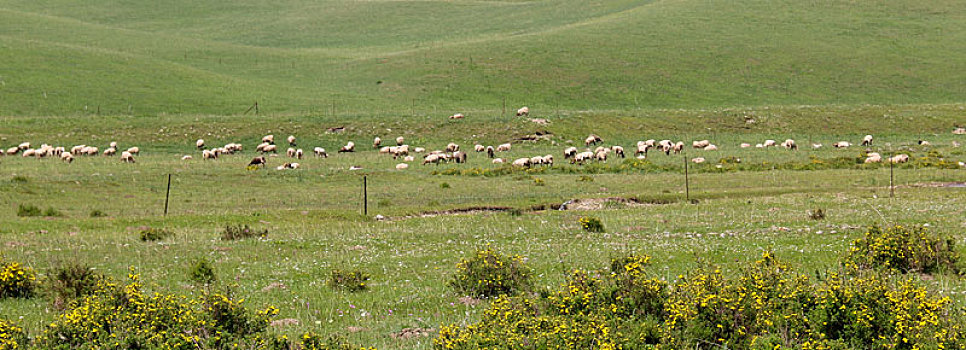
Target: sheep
x,y
269,139
536,160
582,157
12,150
666,146
419,150
642,148
769,143
30,152
113,144
873,158
290,152
127,157
402,166
270,148
599,149
57,151
349,147
132,150
498,161
460,157
399,141
291,141
902,158
959,131
790,144
745,145
187,157
400,151
618,150
206,155
523,112
200,144
92,151
452,147
478,148
409,159
842,144
299,153
320,152
456,116
570,152
489,151
503,147
288,166
110,152
376,142
602,155
650,143
261,147
386,150
548,160
700,144
592,139
258,161
522,162
24,146
678,147
924,143
432,158
710,148
697,160
67,157
816,145
77,150
867,140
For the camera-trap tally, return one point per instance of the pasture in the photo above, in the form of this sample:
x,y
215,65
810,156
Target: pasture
x,y
313,214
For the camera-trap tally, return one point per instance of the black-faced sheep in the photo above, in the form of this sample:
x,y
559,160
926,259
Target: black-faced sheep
x,y
523,112
867,140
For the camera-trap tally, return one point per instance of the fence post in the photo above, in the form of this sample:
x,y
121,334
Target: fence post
x,y
892,186
365,196
687,183
167,195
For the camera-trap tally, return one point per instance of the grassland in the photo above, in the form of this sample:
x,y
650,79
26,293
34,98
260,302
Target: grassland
x,y
315,225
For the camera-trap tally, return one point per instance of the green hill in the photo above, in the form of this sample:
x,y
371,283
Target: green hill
x,y
395,57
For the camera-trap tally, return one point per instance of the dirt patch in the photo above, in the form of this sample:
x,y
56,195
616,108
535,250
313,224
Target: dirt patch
x,y
601,203
285,322
461,211
935,185
407,333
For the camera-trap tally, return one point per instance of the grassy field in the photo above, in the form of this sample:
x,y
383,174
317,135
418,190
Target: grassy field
x,y
314,214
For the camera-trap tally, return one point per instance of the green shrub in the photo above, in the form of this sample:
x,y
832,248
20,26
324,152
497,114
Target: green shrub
x,y
539,182
444,185
11,336
97,214
24,210
16,281
19,179
352,281
50,211
816,214
591,224
585,178
234,232
70,281
489,274
153,234
904,250
202,272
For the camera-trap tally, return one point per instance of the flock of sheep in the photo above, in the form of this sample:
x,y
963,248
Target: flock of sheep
x,y
46,150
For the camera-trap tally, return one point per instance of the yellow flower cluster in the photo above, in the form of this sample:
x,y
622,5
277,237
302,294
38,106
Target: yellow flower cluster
x,y
902,249
16,281
11,336
489,274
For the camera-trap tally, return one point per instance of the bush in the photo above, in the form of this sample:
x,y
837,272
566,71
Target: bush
x,y
202,272
585,178
50,211
352,281
539,182
444,185
19,179
489,274
816,214
234,232
98,214
16,281
70,281
24,210
902,249
591,224
11,336
153,234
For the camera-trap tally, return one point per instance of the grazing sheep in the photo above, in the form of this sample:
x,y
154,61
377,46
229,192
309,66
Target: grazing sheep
x,y
867,140
498,161
288,166
452,147
479,148
291,141
457,116
110,152
618,150
200,144
599,149
592,139
536,160
67,157
959,131
349,147
460,157
602,155
320,152
113,144
570,152
503,148
399,141
290,152
419,150
187,157
400,151
376,142
127,157
30,152
269,139
697,160
258,161
700,144
355,167
299,153
261,147
902,158
842,144
745,145
92,151
758,145
12,150
402,166
206,155
132,150
769,143
548,160
710,148
522,162
924,143
790,144
873,157
24,146
582,157
386,150
642,148
60,150
666,146
270,148
409,159
77,150
523,112
678,147
432,158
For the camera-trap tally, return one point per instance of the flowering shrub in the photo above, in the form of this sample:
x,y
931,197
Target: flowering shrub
x,y
70,281
352,281
591,224
11,336
765,306
489,274
16,281
902,249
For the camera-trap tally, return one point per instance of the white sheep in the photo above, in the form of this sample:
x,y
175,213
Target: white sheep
x,y
548,160
113,144
902,158
270,139
816,145
522,162
419,150
400,151
206,155
582,157
498,161
132,150
618,150
457,116
460,157
409,159
187,157
490,151
536,160
959,131
110,152
523,112
399,141
924,143
769,143
291,141
745,145
376,142
12,150
873,157
77,150
349,147
127,157
842,144
24,146
452,147
270,148
30,152
479,148
320,152
592,139
290,152
200,144
867,140
432,158
503,148
710,148
299,153
570,152
92,151
697,160
287,166
678,147
790,144
402,166
700,144
67,157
